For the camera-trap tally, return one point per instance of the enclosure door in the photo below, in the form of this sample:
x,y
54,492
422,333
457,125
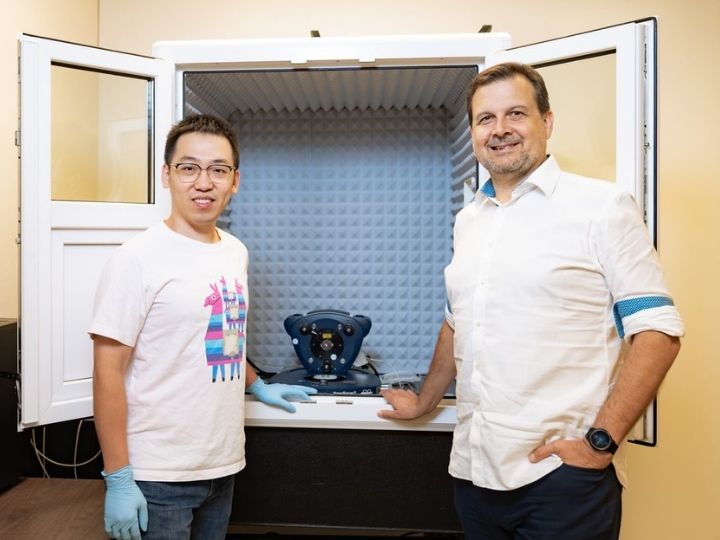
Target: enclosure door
x,y
89,180
67,231
602,88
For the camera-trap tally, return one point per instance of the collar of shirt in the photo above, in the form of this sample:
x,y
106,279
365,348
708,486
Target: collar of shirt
x,y
544,178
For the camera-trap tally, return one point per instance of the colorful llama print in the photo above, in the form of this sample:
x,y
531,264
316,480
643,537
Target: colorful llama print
x,y
225,335
234,332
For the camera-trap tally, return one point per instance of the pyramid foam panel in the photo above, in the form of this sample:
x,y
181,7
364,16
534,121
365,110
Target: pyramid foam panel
x,y
346,210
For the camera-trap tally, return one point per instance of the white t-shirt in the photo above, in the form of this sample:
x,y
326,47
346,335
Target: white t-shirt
x,y
182,305
540,290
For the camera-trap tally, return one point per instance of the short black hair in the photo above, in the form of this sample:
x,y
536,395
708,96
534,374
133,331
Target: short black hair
x,y
202,123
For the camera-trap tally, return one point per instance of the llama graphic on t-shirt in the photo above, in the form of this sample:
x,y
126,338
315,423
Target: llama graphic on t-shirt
x,y
234,332
225,335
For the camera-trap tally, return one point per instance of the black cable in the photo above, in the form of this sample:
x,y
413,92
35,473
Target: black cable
x,y
369,365
261,372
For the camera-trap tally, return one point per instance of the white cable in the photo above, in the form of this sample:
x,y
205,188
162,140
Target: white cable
x,y
77,441
69,464
42,455
44,442
397,377
37,455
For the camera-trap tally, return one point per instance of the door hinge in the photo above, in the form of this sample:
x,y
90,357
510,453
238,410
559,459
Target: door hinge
x,y
17,138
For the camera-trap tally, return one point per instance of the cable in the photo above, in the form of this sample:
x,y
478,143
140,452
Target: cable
x,y
77,445
393,370
38,454
77,442
369,365
261,372
403,379
67,464
44,442
77,439
42,457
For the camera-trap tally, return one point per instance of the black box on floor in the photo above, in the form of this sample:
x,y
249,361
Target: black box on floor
x,y
10,439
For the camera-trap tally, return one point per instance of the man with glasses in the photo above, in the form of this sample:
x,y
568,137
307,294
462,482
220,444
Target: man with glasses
x,y
169,317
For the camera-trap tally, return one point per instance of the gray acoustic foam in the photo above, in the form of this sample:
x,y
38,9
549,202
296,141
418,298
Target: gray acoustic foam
x,y
350,210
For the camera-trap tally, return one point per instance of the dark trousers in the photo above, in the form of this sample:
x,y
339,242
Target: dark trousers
x,y
570,503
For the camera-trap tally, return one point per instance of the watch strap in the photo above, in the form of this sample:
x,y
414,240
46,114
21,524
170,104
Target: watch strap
x,y
595,433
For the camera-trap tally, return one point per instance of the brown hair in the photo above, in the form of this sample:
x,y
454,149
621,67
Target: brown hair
x,y
501,72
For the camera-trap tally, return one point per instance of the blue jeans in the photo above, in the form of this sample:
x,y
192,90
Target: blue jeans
x,y
570,503
198,510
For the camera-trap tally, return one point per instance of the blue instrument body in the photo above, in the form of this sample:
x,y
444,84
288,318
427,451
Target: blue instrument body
x,y
327,342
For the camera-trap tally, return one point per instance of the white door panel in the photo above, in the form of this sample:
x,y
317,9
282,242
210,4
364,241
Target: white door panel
x,y
65,243
634,95
633,46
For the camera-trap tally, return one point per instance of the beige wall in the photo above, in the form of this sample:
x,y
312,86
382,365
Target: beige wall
x,y
70,20
675,487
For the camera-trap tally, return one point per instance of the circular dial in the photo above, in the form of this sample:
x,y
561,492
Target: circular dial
x,y
327,346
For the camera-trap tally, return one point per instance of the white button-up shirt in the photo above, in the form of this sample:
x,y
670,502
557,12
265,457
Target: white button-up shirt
x,y
540,291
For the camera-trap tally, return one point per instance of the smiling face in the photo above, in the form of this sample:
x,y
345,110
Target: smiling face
x,y
509,134
197,205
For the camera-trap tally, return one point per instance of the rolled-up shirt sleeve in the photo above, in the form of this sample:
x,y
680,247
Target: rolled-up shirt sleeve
x,y
641,299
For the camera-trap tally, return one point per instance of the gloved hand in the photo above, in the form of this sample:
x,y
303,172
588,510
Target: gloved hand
x,y
125,506
276,393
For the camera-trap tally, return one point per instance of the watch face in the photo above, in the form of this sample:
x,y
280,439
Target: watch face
x,y
600,439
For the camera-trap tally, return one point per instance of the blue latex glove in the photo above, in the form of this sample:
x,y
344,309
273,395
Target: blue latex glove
x,y
125,506
276,393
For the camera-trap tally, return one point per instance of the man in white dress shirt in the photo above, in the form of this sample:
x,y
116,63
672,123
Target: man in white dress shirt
x,y
550,273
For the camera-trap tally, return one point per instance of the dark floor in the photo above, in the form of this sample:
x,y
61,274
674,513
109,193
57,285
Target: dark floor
x,y
248,532
277,536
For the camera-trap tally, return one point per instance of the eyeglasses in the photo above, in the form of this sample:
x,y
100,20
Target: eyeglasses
x,y
190,172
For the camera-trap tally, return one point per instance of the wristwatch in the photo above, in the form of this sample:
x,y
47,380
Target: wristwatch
x,y
600,440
